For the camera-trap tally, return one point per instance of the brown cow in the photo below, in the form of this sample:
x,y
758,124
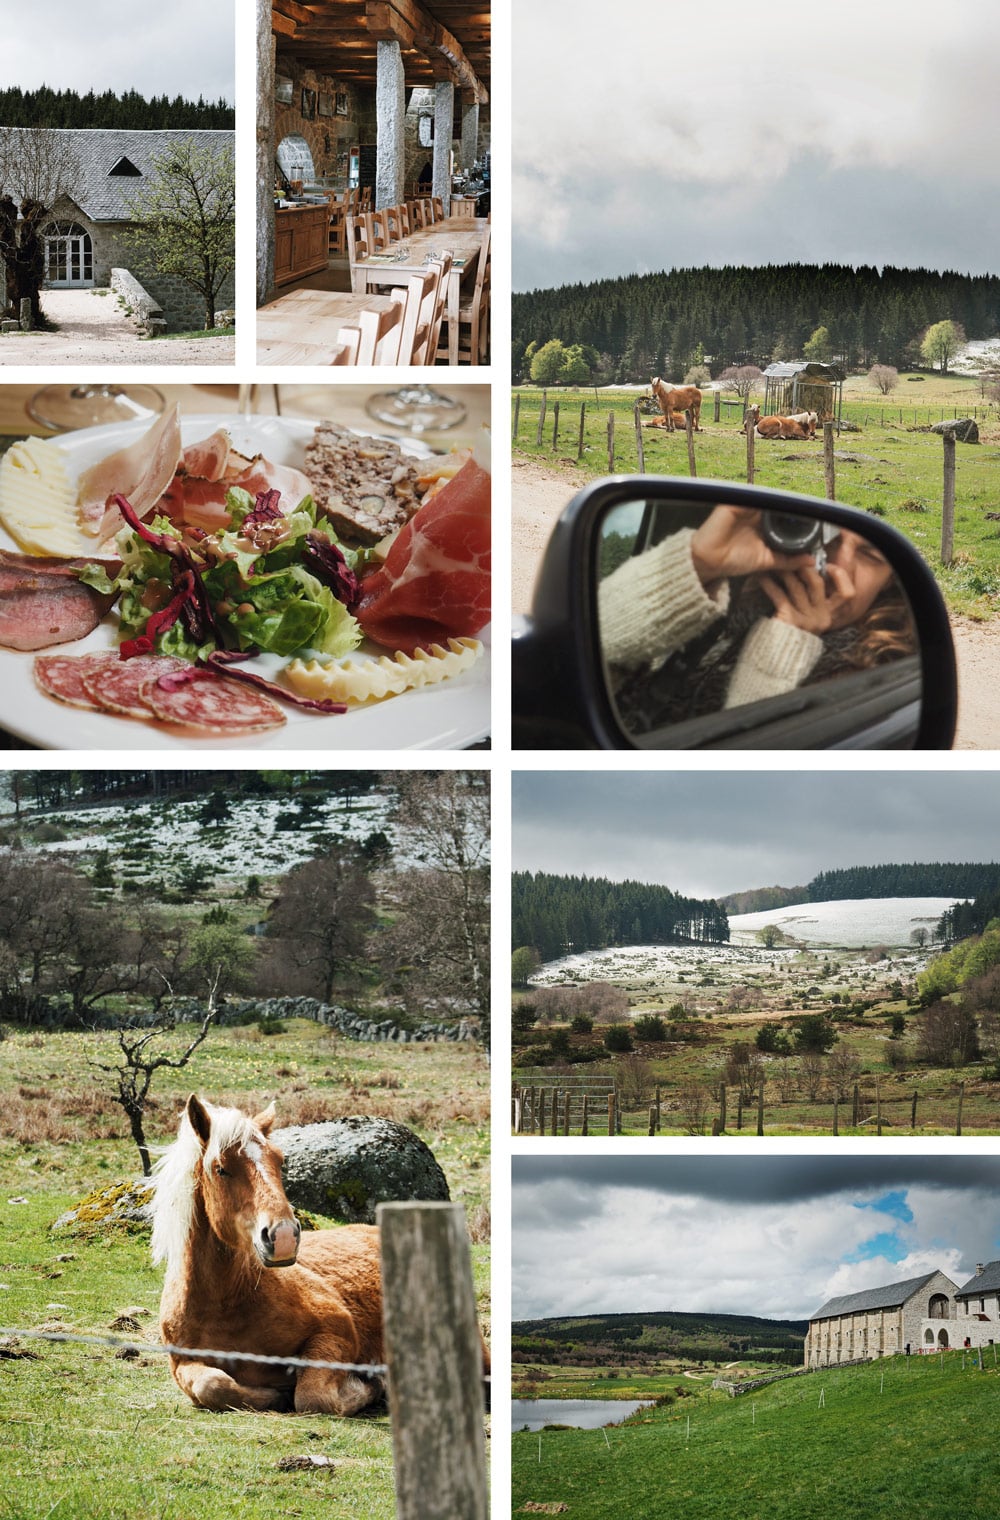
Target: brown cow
x,y
677,398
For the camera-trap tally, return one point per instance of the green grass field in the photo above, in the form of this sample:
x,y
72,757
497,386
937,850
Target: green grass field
x,y
89,1436
888,468
911,1437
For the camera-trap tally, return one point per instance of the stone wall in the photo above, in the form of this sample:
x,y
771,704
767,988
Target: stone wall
x,y
136,298
352,1025
330,138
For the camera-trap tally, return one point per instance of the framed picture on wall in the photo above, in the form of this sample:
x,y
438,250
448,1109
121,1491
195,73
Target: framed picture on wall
x,y
324,105
341,102
309,104
283,90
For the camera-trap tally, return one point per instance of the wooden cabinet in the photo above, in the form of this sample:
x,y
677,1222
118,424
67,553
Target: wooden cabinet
x,y
301,238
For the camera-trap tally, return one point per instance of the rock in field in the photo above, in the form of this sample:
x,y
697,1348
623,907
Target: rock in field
x,y
343,1168
965,429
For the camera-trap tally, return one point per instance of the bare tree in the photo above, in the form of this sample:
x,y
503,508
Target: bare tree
x,y
883,377
812,1065
744,1069
37,166
695,1101
843,1068
741,378
322,916
947,1035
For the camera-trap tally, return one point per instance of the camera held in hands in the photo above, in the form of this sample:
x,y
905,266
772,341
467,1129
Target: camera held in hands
x,y
787,534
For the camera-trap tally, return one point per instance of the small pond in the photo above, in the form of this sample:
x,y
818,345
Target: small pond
x,y
584,1414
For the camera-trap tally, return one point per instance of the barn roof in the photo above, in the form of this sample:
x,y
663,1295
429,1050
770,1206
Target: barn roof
x,y
789,368
115,162
891,1296
986,1281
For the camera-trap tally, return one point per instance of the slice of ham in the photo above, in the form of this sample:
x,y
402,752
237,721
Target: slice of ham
x,y
198,500
435,583
142,472
42,602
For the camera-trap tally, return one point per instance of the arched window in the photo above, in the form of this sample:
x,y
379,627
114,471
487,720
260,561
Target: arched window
x,y
69,255
938,1307
942,1339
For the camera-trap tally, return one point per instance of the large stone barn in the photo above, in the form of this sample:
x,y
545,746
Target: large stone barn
x,y
101,169
920,1314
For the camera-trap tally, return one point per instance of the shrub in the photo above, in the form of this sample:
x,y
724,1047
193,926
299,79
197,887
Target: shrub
x,y
618,1038
559,1042
650,1027
582,1024
49,833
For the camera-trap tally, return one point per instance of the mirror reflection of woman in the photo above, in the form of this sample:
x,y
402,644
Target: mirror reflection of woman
x,y
714,617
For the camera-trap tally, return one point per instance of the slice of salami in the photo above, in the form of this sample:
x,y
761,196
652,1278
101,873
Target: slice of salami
x,y
118,688
62,675
213,705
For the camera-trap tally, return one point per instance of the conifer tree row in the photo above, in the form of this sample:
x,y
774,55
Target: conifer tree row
x,y
45,107
558,914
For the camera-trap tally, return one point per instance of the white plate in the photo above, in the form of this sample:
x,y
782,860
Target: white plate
x,y
450,716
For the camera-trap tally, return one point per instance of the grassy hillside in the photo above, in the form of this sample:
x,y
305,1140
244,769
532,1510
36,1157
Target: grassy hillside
x,y
910,1437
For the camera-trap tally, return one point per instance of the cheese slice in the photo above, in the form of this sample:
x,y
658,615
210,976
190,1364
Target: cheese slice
x,y
38,501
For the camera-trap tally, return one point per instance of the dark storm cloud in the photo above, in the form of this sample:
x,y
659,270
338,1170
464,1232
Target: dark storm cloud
x,y
745,1182
714,832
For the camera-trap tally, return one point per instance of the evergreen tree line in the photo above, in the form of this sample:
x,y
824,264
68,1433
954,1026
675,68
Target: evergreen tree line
x,y
967,918
42,792
66,108
962,879
661,324
561,914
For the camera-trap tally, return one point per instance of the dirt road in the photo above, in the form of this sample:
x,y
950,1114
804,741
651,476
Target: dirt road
x,y
92,329
540,494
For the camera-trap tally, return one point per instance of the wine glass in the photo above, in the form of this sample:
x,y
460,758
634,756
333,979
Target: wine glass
x,y
63,407
418,408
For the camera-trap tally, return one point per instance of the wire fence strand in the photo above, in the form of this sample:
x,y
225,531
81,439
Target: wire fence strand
x,y
364,1369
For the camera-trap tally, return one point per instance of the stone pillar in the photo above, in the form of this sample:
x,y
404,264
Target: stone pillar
x,y
390,112
444,114
470,133
265,153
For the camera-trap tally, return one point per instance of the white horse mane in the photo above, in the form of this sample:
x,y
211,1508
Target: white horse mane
x,y
172,1208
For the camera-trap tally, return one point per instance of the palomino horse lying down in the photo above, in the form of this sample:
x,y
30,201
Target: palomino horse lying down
x,y
239,1278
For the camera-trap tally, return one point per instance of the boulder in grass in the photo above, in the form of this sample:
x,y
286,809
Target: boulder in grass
x,y
965,429
345,1167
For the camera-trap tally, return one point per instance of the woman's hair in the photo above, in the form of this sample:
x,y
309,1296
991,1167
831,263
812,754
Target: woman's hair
x,y
886,632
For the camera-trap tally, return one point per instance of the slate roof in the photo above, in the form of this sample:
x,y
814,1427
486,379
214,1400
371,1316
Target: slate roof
x,y
888,1297
105,197
986,1281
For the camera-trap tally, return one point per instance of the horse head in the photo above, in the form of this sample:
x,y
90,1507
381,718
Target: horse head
x,y
240,1182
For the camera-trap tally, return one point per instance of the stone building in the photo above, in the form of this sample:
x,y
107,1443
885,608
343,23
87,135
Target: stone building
x,y
83,234
920,1314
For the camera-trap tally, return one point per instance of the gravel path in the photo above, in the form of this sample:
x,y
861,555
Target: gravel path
x,y
92,329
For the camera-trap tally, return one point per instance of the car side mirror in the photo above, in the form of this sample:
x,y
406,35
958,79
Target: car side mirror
x,y
680,614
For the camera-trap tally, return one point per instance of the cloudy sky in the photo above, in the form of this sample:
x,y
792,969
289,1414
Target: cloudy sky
x,y
709,833
648,139
774,1236
182,47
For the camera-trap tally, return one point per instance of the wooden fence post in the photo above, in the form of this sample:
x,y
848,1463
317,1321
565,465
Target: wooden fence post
x,y
567,1110
948,500
657,1110
760,1109
555,1110
829,464
913,1112
434,1357
836,1105
517,416
541,1110
639,451
750,419
555,425
541,420
689,429
717,409
855,1106
611,443
739,1112
611,1113
961,1100
585,1126
878,1109
652,1119
722,1096
583,417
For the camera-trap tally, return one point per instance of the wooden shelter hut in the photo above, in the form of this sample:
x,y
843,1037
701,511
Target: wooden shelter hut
x,y
800,385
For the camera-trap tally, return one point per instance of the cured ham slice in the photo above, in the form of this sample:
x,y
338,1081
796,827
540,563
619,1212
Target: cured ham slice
x,y
435,583
42,602
196,497
142,472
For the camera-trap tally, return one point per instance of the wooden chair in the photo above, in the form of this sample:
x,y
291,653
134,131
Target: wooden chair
x,y
419,312
383,234
349,346
365,198
415,209
403,212
438,208
443,264
360,233
338,227
381,332
473,315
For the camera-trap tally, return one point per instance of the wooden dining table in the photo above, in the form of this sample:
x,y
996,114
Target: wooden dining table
x,y
462,236
303,327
